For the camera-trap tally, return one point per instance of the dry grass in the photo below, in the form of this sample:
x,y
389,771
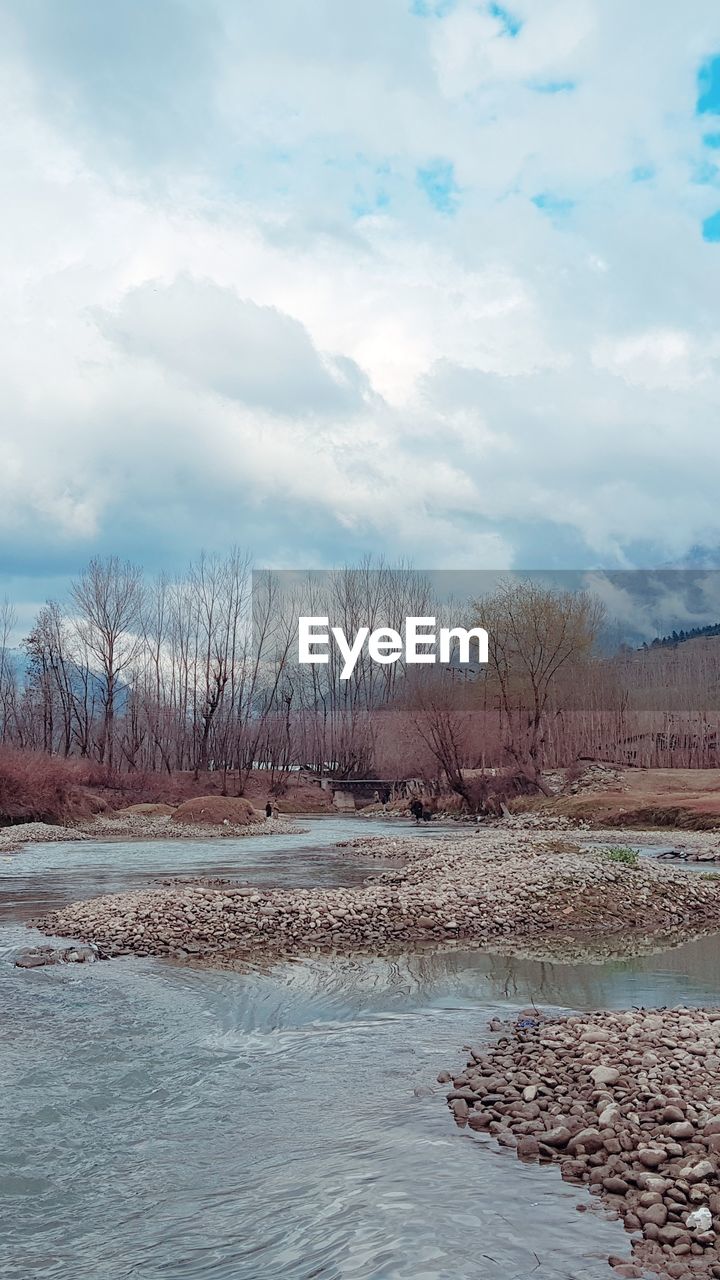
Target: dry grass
x,y
145,810
688,799
37,788
214,811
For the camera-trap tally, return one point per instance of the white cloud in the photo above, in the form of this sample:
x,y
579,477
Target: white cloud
x,y
277,340
658,358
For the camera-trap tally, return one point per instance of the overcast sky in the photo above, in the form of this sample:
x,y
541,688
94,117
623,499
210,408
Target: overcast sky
x,y
424,277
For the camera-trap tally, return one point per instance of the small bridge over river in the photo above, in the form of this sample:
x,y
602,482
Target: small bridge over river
x,y
353,793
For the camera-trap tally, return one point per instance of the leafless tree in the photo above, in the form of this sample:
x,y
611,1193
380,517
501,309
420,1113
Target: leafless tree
x,y
538,635
108,599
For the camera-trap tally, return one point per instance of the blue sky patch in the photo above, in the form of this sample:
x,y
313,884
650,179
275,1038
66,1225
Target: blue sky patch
x,y
704,172
711,139
365,204
711,228
437,180
555,86
709,87
554,206
642,173
511,26
432,8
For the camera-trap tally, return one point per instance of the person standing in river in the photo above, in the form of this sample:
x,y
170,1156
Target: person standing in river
x,y
416,809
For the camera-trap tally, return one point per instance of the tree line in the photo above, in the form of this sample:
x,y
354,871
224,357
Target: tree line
x,y
198,671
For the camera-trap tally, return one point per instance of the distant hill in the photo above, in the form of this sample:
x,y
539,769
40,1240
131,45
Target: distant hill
x,y
678,637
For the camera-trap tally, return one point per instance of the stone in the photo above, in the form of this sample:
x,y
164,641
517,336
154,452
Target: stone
x,y
651,1157
604,1075
655,1213
673,1235
589,1138
595,1035
681,1129
616,1186
528,1147
697,1172
652,1182
557,1137
700,1219
610,1116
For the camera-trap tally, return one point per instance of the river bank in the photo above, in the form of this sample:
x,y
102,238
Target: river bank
x,y
627,1103
495,888
138,826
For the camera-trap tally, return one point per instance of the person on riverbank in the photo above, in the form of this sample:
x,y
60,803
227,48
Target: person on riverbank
x,y
416,809
268,810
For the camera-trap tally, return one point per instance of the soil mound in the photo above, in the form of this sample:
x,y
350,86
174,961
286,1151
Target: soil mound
x,y
145,810
212,811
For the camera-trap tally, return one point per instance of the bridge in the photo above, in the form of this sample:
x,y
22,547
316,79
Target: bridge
x,y
346,792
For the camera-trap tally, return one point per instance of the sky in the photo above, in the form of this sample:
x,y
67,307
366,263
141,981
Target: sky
x,y
427,279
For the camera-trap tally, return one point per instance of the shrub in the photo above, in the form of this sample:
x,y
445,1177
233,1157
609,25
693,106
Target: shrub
x,y
39,788
619,854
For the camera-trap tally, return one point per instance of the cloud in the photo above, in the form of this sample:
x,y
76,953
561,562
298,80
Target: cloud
x,y
237,309
254,354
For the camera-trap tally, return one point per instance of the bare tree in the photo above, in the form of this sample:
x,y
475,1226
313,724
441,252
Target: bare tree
x,y
538,635
8,674
108,598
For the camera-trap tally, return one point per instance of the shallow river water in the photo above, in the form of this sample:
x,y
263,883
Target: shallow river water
x,y
164,1123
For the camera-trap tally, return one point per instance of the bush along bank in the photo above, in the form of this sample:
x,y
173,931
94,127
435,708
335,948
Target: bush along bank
x,y
500,891
628,1104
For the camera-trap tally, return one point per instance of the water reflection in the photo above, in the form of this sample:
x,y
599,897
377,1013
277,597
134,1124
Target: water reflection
x,y
46,876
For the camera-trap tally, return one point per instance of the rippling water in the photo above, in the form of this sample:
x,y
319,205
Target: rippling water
x,y
164,1122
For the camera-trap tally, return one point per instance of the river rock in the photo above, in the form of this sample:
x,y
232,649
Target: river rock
x,y
651,1157
557,1137
639,1133
700,1219
697,1172
38,957
495,886
681,1129
605,1075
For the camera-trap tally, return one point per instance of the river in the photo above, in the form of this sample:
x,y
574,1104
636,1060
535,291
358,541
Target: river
x,y
171,1123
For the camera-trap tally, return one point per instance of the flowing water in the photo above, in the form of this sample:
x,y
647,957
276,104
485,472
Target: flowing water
x,y
164,1123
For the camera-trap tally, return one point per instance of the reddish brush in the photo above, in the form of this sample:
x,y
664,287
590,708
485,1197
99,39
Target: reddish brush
x,y
38,788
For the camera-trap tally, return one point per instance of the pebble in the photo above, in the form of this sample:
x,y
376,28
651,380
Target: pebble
x,y
641,1133
511,888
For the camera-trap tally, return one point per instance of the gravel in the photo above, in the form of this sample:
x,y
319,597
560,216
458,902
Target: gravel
x,y
502,890
628,1105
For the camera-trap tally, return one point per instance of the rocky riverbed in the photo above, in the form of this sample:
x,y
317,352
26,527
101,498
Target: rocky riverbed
x,y
14,837
626,1103
138,826
499,890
